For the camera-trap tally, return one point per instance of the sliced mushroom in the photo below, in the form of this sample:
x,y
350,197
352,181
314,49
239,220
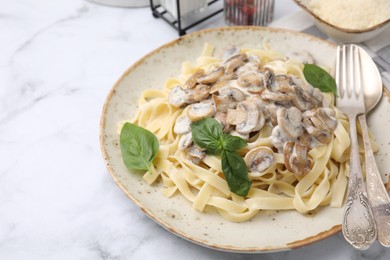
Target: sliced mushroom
x,y
222,104
316,128
306,139
298,81
239,56
290,120
314,143
324,136
234,62
219,85
281,83
177,96
212,77
252,116
261,103
234,93
288,149
261,106
228,98
318,123
243,136
252,65
201,110
277,96
191,82
295,158
317,97
307,94
185,141
199,93
299,101
309,140
309,127
230,76
271,115
309,113
182,125
312,118
195,154
279,138
270,110
269,77
312,96
252,81
250,78
236,116
259,159
328,116
260,121
221,117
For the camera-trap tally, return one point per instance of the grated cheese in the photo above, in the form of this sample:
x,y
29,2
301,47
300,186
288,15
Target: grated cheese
x,y
352,14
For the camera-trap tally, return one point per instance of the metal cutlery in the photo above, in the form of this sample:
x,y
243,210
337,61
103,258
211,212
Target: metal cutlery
x,y
377,194
358,225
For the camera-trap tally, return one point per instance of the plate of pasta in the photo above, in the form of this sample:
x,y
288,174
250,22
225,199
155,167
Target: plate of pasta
x,y
220,138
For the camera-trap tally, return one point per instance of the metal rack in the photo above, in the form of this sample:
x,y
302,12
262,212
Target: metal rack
x,y
159,11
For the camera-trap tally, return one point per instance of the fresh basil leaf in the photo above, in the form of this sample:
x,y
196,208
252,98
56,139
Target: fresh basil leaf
x,y
233,143
138,146
236,173
207,134
319,78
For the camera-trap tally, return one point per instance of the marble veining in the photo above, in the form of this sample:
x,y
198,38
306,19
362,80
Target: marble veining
x,y
58,61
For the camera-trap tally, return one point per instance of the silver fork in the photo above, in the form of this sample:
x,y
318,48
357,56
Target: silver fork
x,y
358,224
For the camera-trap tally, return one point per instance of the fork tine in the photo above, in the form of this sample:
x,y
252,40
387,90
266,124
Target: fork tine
x,y
347,70
358,73
341,71
351,71
337,72
345,81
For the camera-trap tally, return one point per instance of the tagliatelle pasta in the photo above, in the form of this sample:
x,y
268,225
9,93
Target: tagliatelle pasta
x,y
276,187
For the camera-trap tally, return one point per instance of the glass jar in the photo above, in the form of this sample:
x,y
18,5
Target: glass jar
x,y
249,12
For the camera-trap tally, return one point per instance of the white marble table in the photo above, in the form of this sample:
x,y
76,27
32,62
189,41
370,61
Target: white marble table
x,y
58,60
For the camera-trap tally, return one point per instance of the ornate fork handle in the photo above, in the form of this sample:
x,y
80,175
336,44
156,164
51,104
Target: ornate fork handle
x,y
377,194
358,223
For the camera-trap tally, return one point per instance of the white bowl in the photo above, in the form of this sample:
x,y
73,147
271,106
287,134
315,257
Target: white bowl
x,y
344,35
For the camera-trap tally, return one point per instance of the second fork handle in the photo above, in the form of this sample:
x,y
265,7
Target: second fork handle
x,y
358,224
377,194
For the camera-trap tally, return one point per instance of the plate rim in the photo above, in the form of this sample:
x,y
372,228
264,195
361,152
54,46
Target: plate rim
x,y
228,248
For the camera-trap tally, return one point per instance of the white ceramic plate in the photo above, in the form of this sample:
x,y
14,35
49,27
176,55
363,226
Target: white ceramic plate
x,y
269,230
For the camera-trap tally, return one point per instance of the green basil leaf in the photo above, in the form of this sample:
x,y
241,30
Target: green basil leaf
x,y
207,134
233,143
138,146
319,78
236,173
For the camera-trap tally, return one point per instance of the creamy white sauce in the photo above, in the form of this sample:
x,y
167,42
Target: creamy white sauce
x,y
352,14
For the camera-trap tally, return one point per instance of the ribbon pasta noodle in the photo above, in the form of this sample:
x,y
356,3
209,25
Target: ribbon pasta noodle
x,y
276,188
